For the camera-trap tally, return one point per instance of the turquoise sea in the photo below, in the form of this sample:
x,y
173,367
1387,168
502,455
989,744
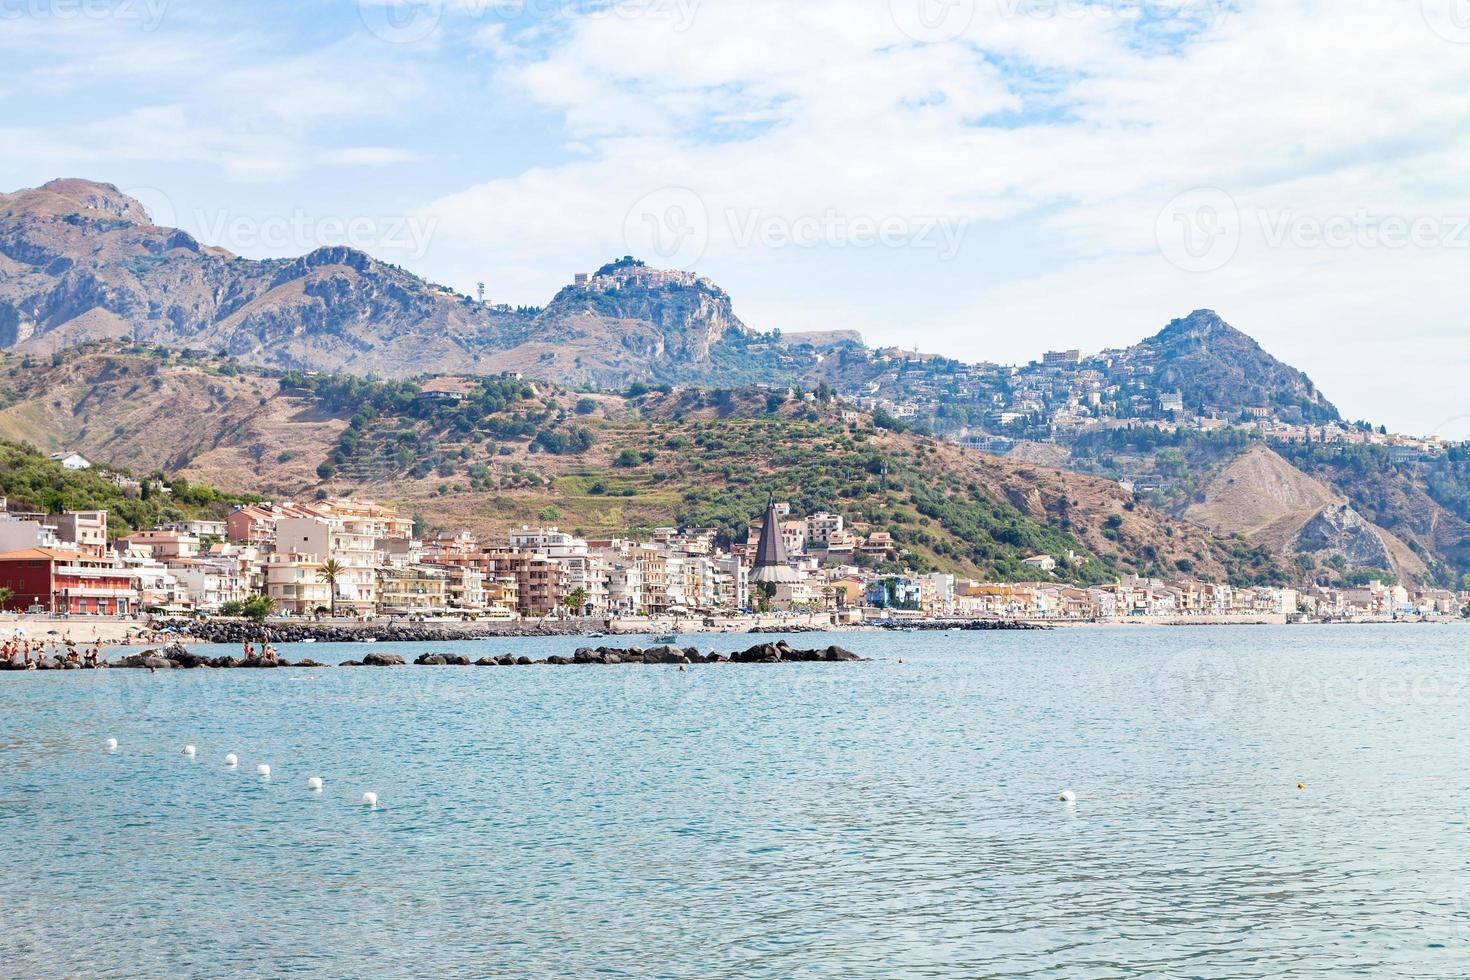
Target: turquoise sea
x,y
848,820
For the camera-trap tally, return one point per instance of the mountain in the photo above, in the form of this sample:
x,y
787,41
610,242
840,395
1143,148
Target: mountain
x,y
490,454
628,322
1217,367
81,261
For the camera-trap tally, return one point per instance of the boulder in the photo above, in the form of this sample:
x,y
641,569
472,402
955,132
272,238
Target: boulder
x,y
664,655
524,661
487,662
382,660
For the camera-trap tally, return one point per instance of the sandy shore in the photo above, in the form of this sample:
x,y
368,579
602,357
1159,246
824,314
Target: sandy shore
x,y
79,629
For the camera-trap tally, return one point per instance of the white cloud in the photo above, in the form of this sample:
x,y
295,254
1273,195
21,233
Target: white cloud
x,y
1050,132
1065,130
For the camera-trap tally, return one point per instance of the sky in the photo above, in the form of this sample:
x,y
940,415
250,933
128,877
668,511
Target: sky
x,y
986,179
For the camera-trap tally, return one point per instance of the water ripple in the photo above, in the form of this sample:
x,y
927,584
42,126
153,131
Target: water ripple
x,y
846,820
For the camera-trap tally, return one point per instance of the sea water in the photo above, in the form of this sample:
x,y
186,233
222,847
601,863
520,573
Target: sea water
x,y
868,819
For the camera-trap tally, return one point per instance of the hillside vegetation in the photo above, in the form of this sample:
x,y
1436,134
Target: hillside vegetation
x,y
34,483
1234,483
489,454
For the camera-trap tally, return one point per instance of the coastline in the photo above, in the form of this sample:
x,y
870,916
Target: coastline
x,y
128,633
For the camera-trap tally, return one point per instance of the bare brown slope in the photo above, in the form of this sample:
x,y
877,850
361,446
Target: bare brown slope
x,y
1262,496
236,431
1260,492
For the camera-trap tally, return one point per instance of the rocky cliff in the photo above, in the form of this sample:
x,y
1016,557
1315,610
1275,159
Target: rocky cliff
x,y
81,261
1217,366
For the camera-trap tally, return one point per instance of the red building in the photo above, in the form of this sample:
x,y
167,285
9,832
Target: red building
x,y
67,582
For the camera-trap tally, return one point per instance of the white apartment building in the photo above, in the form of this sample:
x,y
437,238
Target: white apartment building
x,y
821,526
294,581
212,582
351,542
19,535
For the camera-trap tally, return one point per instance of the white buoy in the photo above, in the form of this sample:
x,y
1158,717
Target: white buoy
x,y
370,799
263,770
314,784
231,761
1068,796
189,750
111,744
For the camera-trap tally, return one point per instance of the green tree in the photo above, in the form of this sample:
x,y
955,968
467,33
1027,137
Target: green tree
x,y
331,571
258,607
576,600
5,595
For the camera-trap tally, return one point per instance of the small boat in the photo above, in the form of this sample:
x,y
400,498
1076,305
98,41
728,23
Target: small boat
x,y
309,639
369,639
667,638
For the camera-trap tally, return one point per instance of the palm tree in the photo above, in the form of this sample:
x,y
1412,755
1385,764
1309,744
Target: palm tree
x,y
329,574
5,595
576,601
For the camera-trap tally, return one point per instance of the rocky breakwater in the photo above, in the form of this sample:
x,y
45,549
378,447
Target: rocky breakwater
x,y
239,632
764,653
176,656
46,662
